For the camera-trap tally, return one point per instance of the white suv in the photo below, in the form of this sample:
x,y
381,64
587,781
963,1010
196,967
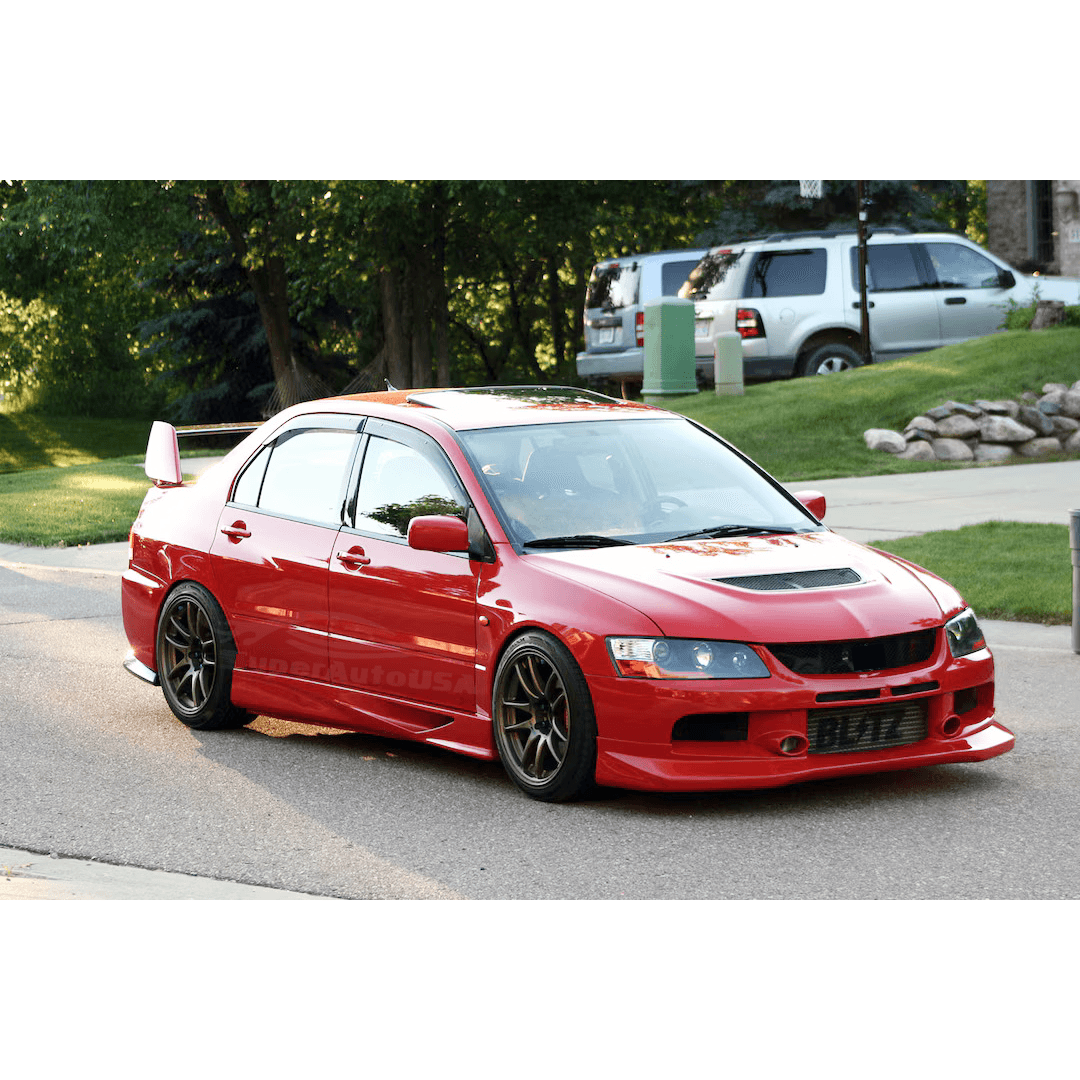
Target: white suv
x,y
615,303
794,298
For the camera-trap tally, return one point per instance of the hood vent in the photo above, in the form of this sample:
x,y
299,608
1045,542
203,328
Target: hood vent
x,y
800,579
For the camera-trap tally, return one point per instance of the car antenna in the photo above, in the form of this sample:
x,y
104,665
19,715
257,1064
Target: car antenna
x,y
390,385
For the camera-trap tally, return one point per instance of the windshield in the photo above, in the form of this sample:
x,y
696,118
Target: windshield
x,y
613,286
708,278
590,483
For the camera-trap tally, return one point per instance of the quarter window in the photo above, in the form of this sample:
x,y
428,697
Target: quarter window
x,y
958,267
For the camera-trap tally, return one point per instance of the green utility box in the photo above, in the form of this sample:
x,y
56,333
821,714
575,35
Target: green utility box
x,y
669,349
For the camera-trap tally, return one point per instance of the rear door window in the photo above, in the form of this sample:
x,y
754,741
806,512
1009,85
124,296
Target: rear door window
x,y
788,273
889,268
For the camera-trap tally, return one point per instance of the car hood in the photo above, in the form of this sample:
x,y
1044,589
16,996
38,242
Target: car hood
x,y
677,586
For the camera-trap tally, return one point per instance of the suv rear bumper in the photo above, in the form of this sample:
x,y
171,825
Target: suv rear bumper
x,y
625,364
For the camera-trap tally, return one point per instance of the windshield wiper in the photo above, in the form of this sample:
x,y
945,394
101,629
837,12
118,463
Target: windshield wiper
x,y
582,540
733,530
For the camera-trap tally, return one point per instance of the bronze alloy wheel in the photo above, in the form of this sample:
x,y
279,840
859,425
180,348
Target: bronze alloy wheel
x,y
545,729
195,655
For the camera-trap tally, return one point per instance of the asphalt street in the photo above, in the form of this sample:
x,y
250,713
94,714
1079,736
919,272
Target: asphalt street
x,y
122,802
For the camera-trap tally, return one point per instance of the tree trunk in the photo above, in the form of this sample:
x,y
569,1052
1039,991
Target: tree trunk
x,y
398,358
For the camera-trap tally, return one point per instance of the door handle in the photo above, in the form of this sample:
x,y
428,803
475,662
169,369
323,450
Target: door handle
x,y
869,303
353,558
237,531
955,299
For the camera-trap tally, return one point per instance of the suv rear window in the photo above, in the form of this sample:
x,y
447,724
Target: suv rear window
x,y
613,286
889,268
788,273
709,279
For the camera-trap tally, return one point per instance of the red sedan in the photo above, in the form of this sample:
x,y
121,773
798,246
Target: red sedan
x,y
594,591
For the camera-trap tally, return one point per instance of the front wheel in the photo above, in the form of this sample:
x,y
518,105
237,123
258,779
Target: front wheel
x,y
544,724
827,359
195,656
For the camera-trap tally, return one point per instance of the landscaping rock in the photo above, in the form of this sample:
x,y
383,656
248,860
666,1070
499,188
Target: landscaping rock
x,y
1003,429
990,430
1048,313
920,450
1039,447
1037,420
892,442
957,426
995,452
952,450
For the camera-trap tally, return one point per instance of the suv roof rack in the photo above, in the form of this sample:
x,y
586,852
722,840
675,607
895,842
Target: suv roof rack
x,y
824,233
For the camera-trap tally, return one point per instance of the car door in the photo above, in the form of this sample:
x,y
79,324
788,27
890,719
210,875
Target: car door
x,y
970,295
402,621
271,554
903,309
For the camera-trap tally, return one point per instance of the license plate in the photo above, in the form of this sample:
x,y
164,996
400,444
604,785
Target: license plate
x,y
605,335
871,727
701,327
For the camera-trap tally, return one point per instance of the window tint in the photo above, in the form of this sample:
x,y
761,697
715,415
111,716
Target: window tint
x,y
958,267
305,475
399,482
889,268
673,275
788,273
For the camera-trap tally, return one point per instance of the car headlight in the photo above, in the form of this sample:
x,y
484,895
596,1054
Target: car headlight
x,y
963,634
685,658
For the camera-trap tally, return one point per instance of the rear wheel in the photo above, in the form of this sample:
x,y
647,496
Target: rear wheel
x,y
827,359
195,657
545,727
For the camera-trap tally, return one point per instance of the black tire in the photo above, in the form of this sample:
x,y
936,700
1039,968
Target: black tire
x,y
195,657
544,724
827,359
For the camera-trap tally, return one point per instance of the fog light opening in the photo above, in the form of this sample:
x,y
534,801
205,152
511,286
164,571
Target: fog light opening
x,y
951,726
793,744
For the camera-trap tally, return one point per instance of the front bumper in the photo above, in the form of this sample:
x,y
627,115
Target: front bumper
x,y
636,719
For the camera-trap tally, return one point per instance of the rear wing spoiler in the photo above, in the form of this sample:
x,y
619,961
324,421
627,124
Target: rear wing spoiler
x,y
163,447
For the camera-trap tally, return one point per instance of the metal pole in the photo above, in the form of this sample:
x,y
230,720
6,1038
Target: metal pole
x,y
864,310
1074,543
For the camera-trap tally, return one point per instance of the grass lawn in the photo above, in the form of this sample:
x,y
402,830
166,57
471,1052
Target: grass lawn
x,y
78,504
1004,569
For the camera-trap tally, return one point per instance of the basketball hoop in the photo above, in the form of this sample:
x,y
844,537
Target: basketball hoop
x,y
810,189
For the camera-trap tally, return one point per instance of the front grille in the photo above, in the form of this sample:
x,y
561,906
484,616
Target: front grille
x,y
871,727
798,579
867,654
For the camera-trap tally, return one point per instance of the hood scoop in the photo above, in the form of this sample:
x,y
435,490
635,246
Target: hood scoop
x,y
799,579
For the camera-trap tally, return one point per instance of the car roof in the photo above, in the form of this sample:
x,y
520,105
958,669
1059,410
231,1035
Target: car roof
x,y
465,408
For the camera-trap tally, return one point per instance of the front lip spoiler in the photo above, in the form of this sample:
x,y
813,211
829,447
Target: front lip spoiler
x,y
140,670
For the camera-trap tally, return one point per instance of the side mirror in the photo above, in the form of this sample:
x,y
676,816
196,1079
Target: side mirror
x,y
438,532
163,456
1006,279
814,501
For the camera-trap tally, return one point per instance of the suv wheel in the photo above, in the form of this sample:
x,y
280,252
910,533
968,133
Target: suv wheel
x,y
826,359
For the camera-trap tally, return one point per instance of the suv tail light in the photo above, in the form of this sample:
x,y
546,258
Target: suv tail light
x,y
748,323
639,328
